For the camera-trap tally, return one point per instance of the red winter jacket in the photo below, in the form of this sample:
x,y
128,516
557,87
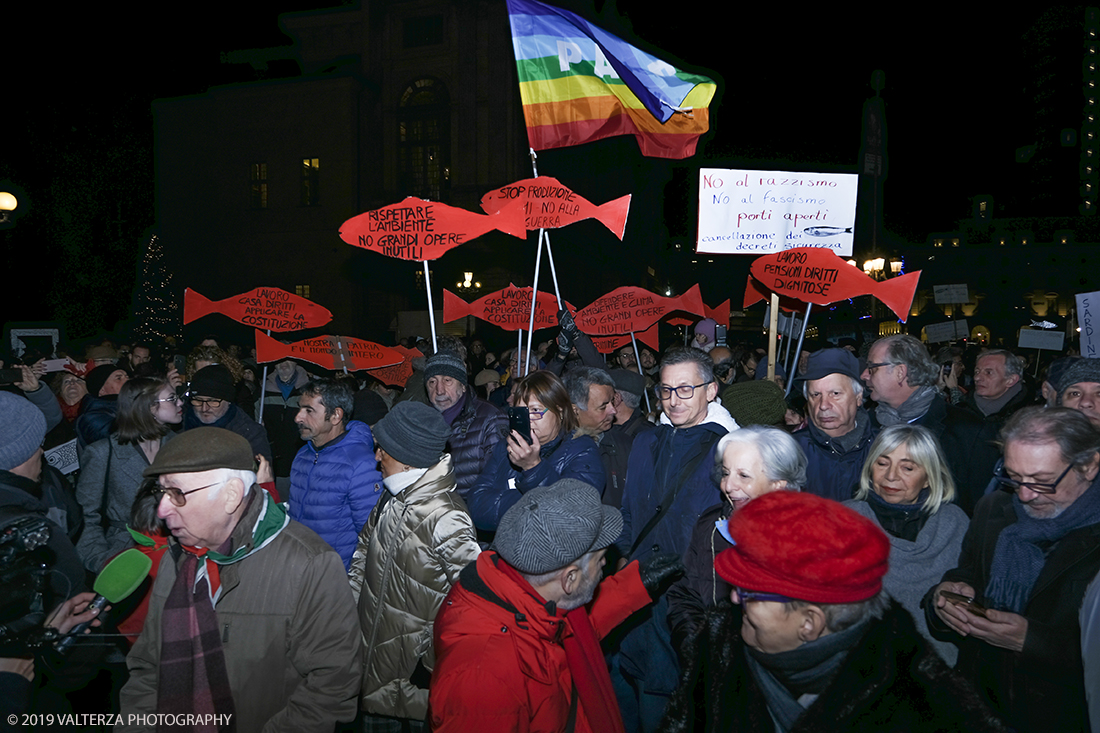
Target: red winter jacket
x,y
494,672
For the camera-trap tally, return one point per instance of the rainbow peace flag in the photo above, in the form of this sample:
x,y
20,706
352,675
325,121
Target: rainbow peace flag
x,y
579,83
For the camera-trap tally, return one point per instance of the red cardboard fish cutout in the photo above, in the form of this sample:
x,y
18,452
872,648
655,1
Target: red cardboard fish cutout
x,y
720,313
330,352
611,344
547,204
416,229
270,309
397,375
630,308
509,308
819,276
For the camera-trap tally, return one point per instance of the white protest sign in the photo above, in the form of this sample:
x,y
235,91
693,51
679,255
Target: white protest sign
x,y
1088,320
63,457
788,325
949,294
759,212
1034,338
948,331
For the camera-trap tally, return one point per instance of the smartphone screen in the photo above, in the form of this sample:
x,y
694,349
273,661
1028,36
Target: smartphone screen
x,y
519,419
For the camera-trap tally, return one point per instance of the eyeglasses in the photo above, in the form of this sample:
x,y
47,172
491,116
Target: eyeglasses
x,y
1011,484
201,404
175,399
684,391
873,366
536,413
177,497
751,595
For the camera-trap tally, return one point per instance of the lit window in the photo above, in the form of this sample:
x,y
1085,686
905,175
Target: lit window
x,y
310,189
302,291
937,242
258,184
954,243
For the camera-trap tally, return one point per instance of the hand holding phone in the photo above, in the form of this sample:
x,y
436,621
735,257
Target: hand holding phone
x,y
965,602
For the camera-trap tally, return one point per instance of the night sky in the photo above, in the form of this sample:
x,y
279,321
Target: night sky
x,y
792,82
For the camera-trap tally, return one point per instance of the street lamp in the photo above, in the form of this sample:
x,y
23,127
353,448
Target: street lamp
x,y
8,203
468,285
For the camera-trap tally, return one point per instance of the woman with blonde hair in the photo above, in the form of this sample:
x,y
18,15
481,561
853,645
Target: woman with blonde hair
x,y
907,489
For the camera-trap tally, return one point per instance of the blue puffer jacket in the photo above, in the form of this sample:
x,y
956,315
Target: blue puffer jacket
x,y
496,488
333,489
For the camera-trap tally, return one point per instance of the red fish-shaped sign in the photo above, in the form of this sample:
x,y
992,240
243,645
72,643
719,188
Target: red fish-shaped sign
x,y
819,276
271,309
397,375
630,308
330,352
547,204
611,344
721,314
416,229
509,308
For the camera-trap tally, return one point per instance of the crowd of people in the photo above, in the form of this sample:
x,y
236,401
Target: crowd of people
x,y
886,538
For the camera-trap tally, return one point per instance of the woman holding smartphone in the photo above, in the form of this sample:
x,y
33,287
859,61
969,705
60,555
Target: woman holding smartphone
x,y
555,448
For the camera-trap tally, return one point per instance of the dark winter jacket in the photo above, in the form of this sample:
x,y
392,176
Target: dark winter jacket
x,y
891,681
501,484
94,421
334,488
663,462
615,447
701,587
237,421
279,413
474,433
1040,688
832,472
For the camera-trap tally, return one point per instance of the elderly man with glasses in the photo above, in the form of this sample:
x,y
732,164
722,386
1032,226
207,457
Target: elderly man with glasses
x,y
251,620
668,485
211,393
840,431
1031,551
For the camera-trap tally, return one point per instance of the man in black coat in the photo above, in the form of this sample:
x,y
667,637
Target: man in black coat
x,y
476,425
1025,563
592,392
902,379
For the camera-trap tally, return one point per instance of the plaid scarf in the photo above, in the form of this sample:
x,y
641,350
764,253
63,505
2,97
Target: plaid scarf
x,y
193,675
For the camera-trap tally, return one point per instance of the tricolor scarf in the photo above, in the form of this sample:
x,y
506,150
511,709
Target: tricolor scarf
x,y
193,675
587,666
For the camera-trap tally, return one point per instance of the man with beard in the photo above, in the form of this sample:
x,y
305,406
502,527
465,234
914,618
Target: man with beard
x,y
334,480
1026,560
516,647
212,394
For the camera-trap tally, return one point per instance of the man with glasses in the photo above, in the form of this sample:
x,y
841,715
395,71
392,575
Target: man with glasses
x,y
1027,558
840,432
251,617
903,380
668,485
212,393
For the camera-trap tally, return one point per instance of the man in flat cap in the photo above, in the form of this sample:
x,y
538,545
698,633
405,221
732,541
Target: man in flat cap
x,y
251,621
517,643
629,389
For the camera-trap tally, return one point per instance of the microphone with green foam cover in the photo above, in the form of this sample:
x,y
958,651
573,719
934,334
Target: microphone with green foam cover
x,y
120,578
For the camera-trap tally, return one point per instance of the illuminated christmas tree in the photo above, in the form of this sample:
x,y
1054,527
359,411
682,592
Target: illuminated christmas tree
x,y
156,305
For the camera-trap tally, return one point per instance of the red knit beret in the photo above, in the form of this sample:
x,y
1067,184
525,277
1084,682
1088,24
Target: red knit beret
x,y
804,547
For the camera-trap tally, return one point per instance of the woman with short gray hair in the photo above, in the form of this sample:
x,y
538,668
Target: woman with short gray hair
x,y
749,462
